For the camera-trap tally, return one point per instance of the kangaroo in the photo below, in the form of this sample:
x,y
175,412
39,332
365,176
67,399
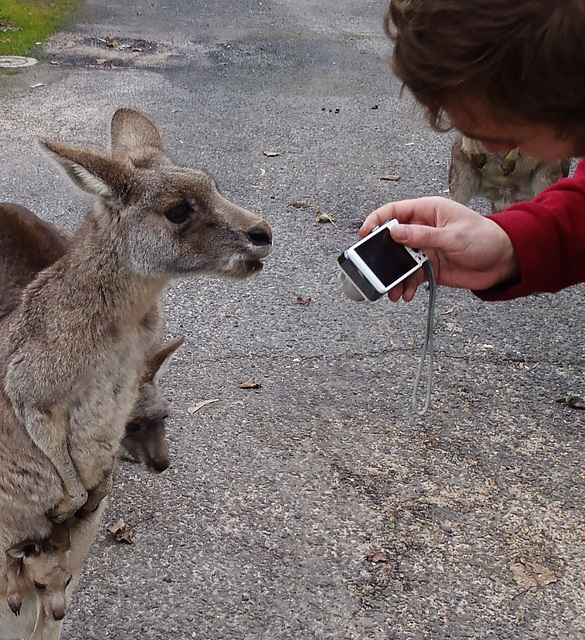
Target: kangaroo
x,y
74,349
41,566
81,323
503,178
27,246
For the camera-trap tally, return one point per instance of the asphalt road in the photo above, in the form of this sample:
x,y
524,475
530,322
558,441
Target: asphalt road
x,y
265,524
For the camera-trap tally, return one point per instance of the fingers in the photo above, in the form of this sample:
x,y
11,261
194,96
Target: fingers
x,y
421,210
418,235
407,288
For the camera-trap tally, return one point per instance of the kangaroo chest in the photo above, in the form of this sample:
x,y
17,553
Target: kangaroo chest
x,y
100,406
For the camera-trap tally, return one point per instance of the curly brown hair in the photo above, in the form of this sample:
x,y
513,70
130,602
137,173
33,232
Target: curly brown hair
x,y
522,58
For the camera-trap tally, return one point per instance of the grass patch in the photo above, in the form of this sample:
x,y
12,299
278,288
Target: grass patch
x,y
23,23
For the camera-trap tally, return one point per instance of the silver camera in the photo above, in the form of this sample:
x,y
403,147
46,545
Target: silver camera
x,y
376,264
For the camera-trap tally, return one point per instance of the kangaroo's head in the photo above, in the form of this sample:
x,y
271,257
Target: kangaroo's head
x,y
45,568
165,220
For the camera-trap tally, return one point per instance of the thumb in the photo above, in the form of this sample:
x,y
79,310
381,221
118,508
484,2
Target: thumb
x,y
401,233
415,235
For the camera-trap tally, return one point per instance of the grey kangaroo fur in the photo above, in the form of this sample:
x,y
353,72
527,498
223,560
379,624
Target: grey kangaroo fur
x,y
27,246
503,177
73,351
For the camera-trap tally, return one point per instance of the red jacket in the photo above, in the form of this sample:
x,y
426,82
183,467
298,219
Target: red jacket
x,y
548,234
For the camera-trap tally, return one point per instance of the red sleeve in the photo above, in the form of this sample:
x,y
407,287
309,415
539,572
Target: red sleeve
x,y
548,234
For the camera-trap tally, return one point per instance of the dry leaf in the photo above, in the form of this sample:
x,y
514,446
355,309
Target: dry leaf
x,y
200,405
531,575
300,205
122,532
271,154
573,402
250,384
376,557
304,301
324,217
392,177
112,43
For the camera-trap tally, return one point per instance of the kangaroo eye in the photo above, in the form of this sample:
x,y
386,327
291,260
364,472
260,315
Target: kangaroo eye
x,y
39,586
179,213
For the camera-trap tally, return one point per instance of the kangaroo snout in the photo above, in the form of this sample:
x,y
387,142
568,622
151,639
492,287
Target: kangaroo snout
x,y
261,236
58,613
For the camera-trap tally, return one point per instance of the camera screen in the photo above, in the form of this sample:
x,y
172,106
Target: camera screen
x,y
386,258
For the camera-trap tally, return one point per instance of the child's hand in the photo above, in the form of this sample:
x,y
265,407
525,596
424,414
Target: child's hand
x,y
468,251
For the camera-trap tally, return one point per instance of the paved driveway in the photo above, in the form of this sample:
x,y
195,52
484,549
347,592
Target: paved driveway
x,y
265,525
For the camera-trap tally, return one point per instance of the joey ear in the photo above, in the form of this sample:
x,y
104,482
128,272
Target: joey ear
x,y
61,537
158,363
24,549
131,132
91,171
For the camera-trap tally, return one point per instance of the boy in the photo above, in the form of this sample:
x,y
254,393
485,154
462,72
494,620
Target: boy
x,y
509,75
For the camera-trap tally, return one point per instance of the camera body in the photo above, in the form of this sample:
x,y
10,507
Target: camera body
x,y
376,264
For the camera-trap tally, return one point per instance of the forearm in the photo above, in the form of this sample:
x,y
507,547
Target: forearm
x,y
548,237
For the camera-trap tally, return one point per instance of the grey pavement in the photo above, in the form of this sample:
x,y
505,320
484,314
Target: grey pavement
x,y
264,526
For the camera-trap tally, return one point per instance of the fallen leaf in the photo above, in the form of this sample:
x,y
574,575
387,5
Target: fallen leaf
x,y
200,405
112,43
300,205
573,402
324,217
122,532
271,154
392,177
376,557
250,384
304,301
531,575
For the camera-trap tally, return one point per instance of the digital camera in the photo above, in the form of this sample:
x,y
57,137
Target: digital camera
x,y
376,264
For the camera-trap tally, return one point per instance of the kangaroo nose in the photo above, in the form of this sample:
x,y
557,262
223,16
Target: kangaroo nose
x,y
58,614
260,236
161,463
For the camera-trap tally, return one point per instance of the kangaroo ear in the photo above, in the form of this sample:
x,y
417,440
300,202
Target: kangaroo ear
x,y
92,172
158,364
132,132
24,549
61,537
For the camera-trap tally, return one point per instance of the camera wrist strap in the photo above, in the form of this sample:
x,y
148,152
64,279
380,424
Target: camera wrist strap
x,y
428,347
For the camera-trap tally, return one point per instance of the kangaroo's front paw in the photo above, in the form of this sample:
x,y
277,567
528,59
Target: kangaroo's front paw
x,y
14,602
94,497
67,507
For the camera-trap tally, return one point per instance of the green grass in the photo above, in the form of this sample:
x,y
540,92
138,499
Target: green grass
x,y
24,23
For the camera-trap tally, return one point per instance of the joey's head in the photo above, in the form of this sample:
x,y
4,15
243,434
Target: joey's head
x,y
167,220
45,569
